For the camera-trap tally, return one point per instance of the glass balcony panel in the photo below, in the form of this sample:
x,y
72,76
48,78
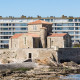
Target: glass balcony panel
x,y
71,28
65,28
59,24
70,20
70,24
71,32
48,20
64,24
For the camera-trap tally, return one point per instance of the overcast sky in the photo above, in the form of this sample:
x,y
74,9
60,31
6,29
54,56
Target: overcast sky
x,y
43,8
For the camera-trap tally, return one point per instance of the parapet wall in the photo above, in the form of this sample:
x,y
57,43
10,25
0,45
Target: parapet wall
x,y
69,54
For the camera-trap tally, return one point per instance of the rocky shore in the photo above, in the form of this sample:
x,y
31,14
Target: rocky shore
x,y
41,72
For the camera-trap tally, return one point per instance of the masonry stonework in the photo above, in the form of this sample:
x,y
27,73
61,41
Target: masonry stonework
x,y
69,54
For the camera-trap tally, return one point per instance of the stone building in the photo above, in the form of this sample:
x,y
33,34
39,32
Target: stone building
x,y
39,36
40,44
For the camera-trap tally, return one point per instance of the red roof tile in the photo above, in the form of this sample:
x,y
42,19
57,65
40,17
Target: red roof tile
x,y
39,22
20,34
17,35
57,34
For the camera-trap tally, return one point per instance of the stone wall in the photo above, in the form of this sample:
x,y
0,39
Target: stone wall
x,y
21,55
69,54
55,41
37,30
28,43
13,43
38,53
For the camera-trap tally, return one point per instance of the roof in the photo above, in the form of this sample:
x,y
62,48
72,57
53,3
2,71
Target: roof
x,y
20,34
57,34
17,35
39,22
39,17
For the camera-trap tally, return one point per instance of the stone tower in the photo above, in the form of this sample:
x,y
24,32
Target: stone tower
x,y
43,37
41,28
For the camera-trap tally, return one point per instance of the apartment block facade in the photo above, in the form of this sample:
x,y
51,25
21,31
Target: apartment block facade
x,y
11,25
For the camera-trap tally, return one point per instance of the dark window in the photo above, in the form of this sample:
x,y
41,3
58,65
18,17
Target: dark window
x,y
70,20
75,20
30,55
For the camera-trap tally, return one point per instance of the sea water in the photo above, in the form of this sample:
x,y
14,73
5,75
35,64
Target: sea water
x,y
71,77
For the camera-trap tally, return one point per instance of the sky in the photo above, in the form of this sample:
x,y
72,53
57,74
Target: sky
x,y
42,8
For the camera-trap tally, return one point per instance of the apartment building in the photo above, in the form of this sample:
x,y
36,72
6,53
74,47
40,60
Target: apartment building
x,y
64,24
12,25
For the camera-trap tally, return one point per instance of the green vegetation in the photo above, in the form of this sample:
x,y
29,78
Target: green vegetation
x,y
76,46
22,69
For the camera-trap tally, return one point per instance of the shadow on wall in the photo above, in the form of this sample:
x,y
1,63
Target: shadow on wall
x,y
53,58
67,60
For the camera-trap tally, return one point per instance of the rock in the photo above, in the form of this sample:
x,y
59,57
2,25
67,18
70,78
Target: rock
x,y
30,73
70,64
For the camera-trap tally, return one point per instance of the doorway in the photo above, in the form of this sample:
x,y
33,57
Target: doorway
x,y
30,55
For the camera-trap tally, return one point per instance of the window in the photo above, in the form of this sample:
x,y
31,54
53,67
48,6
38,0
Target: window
x,y
9,24
65,24
5,41
42,19
23,28
48,20
71,32
79,24
51,20
65,28
76,32
79,20
5,24
75,20
17,29
71,24
72,36
25,40
34,27
70,20
59,28
59,24
71,28
76,28
23,24
76,24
